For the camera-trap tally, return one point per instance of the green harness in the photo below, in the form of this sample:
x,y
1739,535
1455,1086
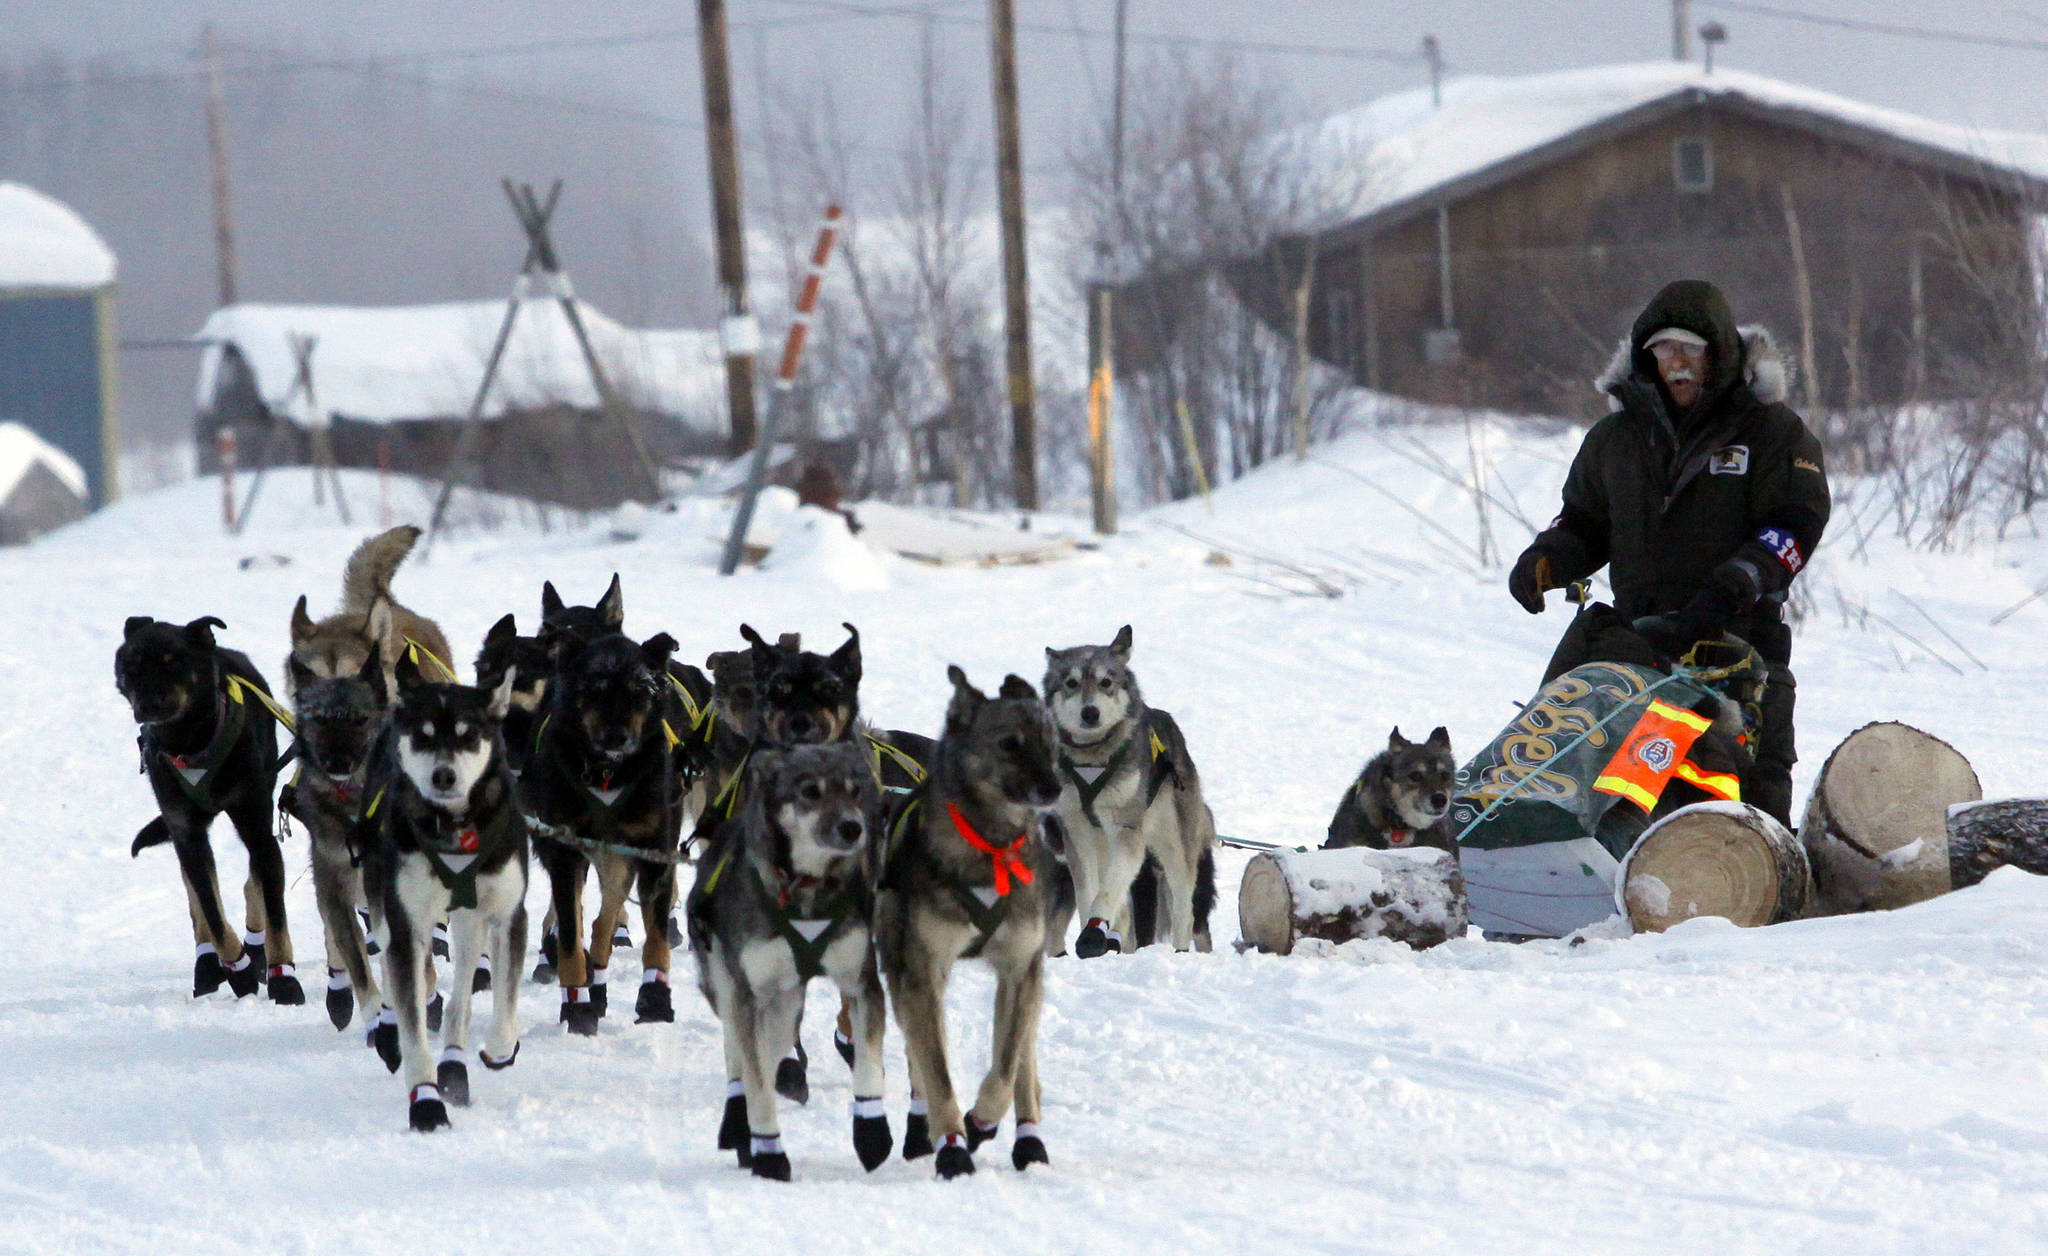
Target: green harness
x,y
194,775
477,846
807,945
1159,769
984,915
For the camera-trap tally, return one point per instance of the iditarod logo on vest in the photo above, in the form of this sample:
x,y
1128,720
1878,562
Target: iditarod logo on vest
x,y
1729,460
1656,753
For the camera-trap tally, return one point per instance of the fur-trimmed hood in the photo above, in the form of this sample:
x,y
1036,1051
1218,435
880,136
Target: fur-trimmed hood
x,y
1764,367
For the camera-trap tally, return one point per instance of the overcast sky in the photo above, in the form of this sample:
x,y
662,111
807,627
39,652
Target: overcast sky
x,y
861,49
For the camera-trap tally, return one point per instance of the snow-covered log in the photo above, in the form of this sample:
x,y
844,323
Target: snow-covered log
x,y
1876,827
1713,859
1414,896
1987,835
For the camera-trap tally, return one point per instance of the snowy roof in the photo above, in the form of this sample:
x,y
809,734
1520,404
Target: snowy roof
x,y
1412,154
386,364
45,244
21,449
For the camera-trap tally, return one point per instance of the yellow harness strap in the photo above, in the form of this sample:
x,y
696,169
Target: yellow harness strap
x,y
370,811
417,650
902,758
717,871
235,687
697,713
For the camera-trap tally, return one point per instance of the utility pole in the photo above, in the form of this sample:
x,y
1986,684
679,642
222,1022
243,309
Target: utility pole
x,y
217,151
1002,21
1101,319
737,329
1681,30
1433,52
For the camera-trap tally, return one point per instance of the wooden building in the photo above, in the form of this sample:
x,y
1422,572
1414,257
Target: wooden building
x,y
1504,240
57,334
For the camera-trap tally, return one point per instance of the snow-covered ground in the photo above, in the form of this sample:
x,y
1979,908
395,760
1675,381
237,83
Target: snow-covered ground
x,y
1870,1084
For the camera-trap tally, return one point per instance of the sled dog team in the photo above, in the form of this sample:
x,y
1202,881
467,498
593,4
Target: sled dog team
x,y
822,846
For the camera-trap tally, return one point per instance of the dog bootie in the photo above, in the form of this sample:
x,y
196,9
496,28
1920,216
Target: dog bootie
x,y
954,1158
453,1076
244,977
917,1132
872,1141
599,999
283,986
544,969
441,941
1029,1149
654,1004
977,1133
435,1006
793,1077
341,999
370,946
732,1127
621,936
382,1038
675,932
497,1065
768,1159
844,1046
1097,938
253,946
428,1113
482,981
577,1012
207,972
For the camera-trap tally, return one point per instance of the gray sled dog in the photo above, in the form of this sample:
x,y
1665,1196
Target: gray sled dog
x,y
786,894
370,618
450,840
1401,799
965,879
1129,792
339,720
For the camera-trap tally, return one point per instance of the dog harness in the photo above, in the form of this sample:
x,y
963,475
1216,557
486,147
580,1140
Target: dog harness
x,y
1159,768
194,775
809,937
464,844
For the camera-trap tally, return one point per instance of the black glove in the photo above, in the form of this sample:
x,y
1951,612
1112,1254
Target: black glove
x,y
1531,579
1729,589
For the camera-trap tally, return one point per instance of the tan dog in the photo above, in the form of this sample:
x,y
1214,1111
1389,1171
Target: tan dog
x,y
369,616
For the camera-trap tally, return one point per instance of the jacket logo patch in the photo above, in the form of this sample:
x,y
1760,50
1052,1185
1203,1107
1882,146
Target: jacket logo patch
x,y
1729,460
1801,464
1785,546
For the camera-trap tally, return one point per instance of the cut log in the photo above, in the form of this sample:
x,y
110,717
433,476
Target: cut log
x,y
1414,896
1987,835
1876,827
1713,859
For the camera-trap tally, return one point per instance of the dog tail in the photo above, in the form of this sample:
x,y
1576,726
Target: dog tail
x,y
368,574
1205,889
155,833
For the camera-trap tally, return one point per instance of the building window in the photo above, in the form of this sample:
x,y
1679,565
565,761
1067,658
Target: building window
x,y
1340,335
1692,165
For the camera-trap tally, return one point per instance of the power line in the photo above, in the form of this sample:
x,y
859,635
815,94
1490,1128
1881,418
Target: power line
x,y
1901,29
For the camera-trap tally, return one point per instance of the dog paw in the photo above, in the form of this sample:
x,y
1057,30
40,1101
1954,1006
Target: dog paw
x,y
258,953
482,981
384,1041
435,1006
440,947
769,1160
792,1077
621,936
954,1158
428,1113
1028,1150
544,973
207,974
917,1136
453,1077
496,1065
1097,939
844,1046
654,1004
283,986
732,1128
341,1005
244,977
872,1140
579,1014
977,1133
598,998
675,932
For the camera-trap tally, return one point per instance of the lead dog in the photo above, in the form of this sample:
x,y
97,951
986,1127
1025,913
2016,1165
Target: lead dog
x,y
209,745
786,895
964,880
450,841
1130,791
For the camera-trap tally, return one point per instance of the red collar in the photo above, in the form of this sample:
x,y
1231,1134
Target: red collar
x,y
1400,837
1004,861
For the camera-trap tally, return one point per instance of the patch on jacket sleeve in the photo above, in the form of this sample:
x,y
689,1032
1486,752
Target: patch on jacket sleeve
x,y
1802,464
1729,460
1785,546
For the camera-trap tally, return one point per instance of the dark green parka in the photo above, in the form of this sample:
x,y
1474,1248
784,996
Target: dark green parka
x,y
1733,494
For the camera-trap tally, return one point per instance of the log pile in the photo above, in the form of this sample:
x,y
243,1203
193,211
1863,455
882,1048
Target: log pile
x,y
1987,835
1713,859
1876,827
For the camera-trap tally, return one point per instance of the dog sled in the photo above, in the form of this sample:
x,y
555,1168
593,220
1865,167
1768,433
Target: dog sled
x,y
1547,814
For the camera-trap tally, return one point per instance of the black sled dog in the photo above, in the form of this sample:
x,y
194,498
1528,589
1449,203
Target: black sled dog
x,y
449,842
964,879
1402,797
209,745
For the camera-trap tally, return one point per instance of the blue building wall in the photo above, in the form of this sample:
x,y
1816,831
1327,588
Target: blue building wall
x,y
50,378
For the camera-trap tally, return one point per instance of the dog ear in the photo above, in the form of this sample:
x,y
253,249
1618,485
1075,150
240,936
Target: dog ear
x,y
1395,741
761,653
550,601
1121,647
611,608
501,699
302,623
1017,687
372,672
965,702
846,659
136,623
503,631
408,672
655,652
1439,737
201,629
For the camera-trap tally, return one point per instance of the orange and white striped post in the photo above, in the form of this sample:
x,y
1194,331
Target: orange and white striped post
x,y
785,377
224,449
